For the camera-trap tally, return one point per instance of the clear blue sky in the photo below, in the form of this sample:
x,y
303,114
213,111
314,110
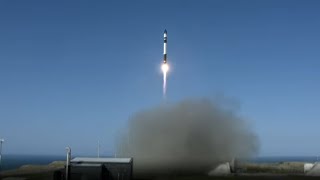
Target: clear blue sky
x,y
72,72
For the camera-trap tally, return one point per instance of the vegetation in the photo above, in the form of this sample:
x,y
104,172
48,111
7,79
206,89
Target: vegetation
x,y
275,168
34,172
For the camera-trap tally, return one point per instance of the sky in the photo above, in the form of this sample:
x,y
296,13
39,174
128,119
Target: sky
x,y
73,72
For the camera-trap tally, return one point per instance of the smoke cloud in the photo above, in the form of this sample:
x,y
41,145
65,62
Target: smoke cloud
x,y
192,136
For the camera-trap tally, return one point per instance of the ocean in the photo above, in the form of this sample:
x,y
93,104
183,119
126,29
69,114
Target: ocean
x,y
15,161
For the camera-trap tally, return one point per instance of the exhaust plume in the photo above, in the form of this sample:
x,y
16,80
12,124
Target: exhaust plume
x,y
191,136
164,86
165,69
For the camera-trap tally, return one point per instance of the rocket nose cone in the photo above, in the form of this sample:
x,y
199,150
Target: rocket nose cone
x,y
165,31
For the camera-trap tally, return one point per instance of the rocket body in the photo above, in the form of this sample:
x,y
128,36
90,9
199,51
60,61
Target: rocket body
x,y
165,66
165,47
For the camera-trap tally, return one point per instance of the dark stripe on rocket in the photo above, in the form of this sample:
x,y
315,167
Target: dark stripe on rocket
x,y
165,58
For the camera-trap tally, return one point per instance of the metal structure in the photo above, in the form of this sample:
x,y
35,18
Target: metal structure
x,y
165,47
101,168
1,141
68,162
105,168
98,149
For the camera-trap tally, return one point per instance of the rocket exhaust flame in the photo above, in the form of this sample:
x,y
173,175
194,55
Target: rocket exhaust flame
x,y
165,69
164,84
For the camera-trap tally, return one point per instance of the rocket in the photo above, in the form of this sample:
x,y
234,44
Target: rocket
x,y
165,47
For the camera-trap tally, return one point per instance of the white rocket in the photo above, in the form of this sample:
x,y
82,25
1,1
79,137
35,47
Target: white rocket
x,y
165,47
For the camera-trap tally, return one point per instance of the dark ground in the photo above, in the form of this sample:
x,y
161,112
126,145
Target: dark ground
x,y
49,176
279,171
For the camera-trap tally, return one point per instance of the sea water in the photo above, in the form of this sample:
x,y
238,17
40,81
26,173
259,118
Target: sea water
x,y
16,161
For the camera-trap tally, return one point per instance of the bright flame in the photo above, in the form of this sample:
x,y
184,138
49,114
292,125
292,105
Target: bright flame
x,y
165,69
